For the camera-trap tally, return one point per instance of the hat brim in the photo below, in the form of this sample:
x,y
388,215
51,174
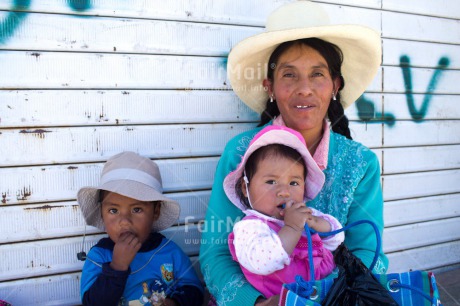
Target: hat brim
x,y
361,48
88,198
276,135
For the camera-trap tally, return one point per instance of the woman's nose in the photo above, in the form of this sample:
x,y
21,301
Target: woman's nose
x,y
304,86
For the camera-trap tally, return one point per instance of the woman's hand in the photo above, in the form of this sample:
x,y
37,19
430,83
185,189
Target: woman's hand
x,y
272,301
124,251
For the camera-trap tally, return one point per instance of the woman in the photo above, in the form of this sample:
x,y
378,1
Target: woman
x,y
314,70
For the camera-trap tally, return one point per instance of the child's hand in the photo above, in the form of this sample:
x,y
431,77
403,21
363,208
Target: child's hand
x,y
124,251
296,215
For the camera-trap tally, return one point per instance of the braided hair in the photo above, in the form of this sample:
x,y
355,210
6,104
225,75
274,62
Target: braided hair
x,y
334,58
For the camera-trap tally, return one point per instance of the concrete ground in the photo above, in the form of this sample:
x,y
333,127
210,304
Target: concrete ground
x,y
449,287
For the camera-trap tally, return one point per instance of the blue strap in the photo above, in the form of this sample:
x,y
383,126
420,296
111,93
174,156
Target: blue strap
x,y
310,231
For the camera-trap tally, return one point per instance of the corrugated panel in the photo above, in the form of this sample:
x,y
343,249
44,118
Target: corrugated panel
x,y
422,107
122,35
426,258
443,8
24,185
29,108
420,234
254,12
83,70
403,160
52,220
22,260
83,144
426,55
50,290
421,80
421,184
421,209
409,27
361,3
410,133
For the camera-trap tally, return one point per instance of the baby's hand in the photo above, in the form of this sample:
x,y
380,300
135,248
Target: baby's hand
x,y
124,251
296,215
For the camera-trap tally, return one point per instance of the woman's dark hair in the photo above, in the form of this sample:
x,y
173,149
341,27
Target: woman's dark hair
x,y
334,58
250,168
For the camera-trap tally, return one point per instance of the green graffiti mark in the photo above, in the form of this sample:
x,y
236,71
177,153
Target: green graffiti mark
x,y
16,16
12,21
367,113
366,108
419,114
79,5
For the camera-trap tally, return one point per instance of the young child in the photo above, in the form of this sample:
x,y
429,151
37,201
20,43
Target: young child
x,y
135,265
275,178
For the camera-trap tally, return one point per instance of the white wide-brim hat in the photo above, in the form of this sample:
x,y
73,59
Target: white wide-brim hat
x,y
132,176
275,134
248,60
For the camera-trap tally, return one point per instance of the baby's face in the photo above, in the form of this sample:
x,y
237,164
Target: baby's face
x,y
122,214
276,181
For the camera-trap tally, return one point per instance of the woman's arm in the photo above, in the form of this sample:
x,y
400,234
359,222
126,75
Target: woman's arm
x,y
223,276
367,205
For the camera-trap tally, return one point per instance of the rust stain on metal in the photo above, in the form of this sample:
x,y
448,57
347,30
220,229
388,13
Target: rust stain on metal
x,y
22,195
44,207
38,132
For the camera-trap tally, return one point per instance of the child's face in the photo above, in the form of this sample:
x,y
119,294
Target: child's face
x,y
122,214
276,181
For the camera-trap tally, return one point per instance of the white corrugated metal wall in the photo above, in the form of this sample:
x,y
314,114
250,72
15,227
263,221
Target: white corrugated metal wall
x,y
83,80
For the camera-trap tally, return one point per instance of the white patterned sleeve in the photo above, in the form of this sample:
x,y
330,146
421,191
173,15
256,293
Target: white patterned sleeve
x,y
331,242
258,248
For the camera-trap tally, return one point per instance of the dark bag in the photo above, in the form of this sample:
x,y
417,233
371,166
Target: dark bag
x,y
355,284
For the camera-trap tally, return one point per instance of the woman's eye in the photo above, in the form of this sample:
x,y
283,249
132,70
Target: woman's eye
x,y
318,74
113,211
288,75
137,209
295,184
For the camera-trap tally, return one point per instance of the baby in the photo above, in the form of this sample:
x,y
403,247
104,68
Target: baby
x,y
275,178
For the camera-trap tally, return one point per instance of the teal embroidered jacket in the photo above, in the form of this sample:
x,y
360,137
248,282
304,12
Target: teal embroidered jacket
x,y
352,191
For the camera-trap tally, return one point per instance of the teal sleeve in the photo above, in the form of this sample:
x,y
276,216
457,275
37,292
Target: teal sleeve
x,y
223,276
367,205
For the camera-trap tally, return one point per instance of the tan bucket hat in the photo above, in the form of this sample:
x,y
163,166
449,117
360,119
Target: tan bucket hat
x,y
248,60
133,176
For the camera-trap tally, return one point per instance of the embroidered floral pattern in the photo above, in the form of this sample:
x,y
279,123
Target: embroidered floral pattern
x,y
343,174
230,289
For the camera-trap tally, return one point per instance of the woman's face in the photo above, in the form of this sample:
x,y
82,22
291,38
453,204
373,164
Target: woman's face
x,y
303,88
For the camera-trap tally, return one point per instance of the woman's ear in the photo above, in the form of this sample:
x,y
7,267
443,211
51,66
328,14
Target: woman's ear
x,y
268,86
337,85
